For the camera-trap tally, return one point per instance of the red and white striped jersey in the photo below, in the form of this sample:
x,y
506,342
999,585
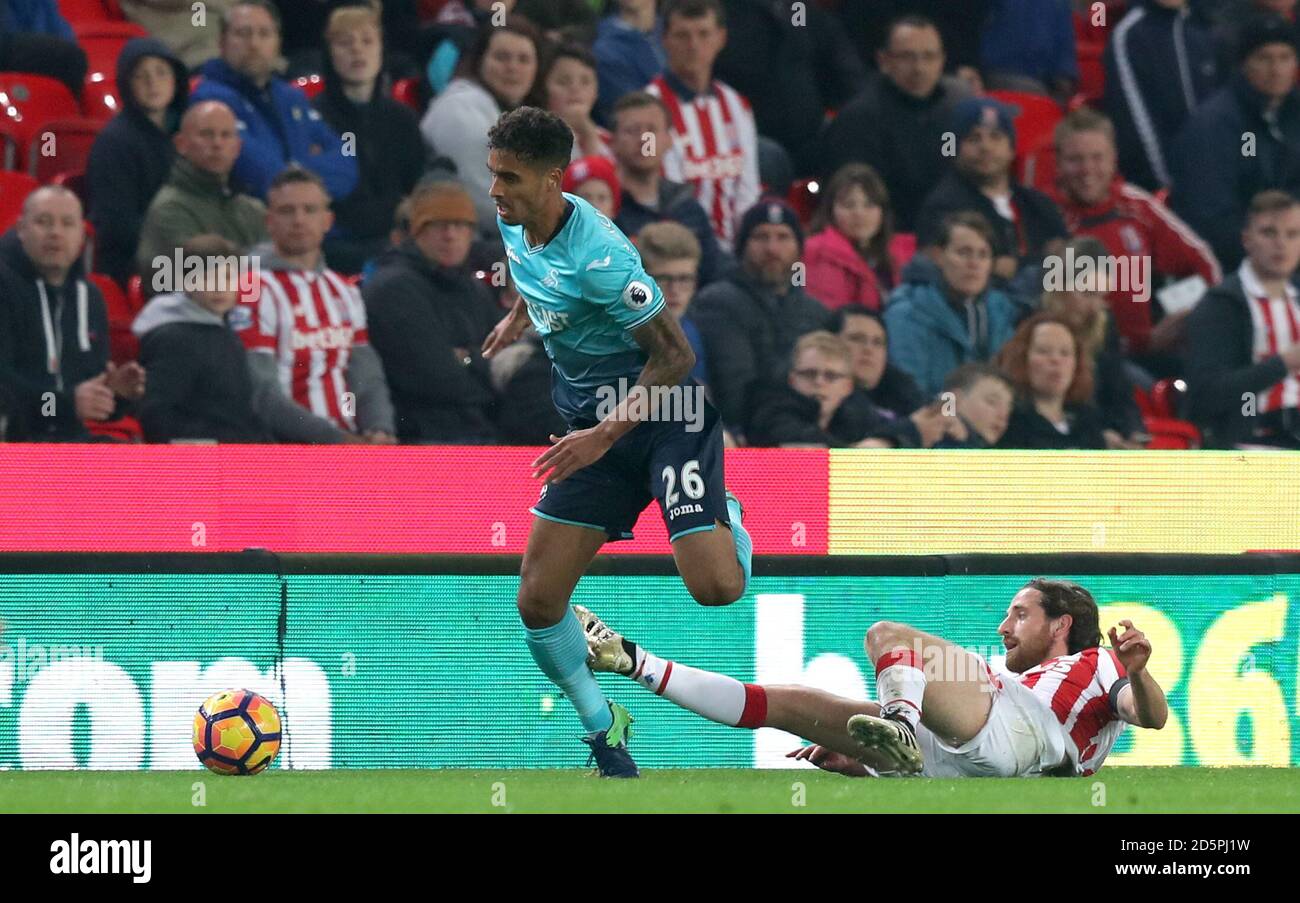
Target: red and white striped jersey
x,y
715,150
310,321
1078,689
1276,327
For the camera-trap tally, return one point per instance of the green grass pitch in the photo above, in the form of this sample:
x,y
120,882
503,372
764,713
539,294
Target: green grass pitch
x,y
1128,790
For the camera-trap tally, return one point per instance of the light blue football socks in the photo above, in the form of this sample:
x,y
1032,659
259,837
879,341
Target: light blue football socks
x,y
744,545
561,652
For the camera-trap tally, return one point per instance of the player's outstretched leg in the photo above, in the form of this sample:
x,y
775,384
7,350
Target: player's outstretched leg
x,y
555,559
803,711
716,561
921,679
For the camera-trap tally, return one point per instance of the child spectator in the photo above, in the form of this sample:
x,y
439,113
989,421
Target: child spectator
x,y
570,85
199,382
889,388
132,157
593,179
982,398
671,256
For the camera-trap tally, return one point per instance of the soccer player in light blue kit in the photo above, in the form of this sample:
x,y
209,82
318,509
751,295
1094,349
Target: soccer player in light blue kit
x,y
605,327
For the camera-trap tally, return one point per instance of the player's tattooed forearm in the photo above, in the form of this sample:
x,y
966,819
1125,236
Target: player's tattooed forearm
x,y
669,354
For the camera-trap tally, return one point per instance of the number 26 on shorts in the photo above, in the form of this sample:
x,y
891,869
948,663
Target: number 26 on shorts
x,y
692,483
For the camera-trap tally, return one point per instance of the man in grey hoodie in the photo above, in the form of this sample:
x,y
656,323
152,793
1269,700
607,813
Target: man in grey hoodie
x,y
316,378
199,382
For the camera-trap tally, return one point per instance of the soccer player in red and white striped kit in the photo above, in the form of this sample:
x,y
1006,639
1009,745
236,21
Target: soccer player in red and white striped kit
x,y
316,378
1056,708
715,138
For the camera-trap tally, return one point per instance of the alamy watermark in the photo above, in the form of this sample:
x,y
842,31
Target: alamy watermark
x,y
1070,272
948,662
189,273
665,404
29,659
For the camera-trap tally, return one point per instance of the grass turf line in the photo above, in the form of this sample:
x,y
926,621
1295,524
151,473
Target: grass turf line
x,y
1131,790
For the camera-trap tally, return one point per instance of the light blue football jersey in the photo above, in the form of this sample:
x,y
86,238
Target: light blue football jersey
x,y
585,290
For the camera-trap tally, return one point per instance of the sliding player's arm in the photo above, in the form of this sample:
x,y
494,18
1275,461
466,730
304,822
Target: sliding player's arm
x,y
830,760
1141,701
669,359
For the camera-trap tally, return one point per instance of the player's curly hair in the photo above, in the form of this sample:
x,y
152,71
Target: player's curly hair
x,y
1063,597
533,135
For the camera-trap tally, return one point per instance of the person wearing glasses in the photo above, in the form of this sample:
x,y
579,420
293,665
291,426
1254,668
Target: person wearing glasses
x,y
671,255
819,407
888,387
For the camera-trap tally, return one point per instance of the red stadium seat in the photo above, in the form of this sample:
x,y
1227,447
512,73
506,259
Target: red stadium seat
x,y
310,84
1143,401
1160,414
85,12
407,91
902,248
74,182
1092,73
61,146
1172,434
103,41
122,343
100,99
9,148
88,250
14,188
135,298
1037,117
1039,167
27,101
125,429
1166,396
804,197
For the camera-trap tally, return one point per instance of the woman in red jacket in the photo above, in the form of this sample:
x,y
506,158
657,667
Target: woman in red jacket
x,y
848,259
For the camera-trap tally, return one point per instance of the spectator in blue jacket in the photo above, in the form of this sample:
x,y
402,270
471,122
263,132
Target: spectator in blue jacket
x,y
276,120
35,38
629,53
1159,67
945,314
1216,174
1028,45
34,17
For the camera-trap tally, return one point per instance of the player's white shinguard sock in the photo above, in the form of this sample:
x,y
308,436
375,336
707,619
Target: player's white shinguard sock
x,y
900,685
715,696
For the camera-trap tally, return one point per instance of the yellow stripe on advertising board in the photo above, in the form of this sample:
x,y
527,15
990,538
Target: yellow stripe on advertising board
x,y
920,502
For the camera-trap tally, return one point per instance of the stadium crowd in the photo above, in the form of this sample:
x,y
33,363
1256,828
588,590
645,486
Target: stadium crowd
x,y
881,223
